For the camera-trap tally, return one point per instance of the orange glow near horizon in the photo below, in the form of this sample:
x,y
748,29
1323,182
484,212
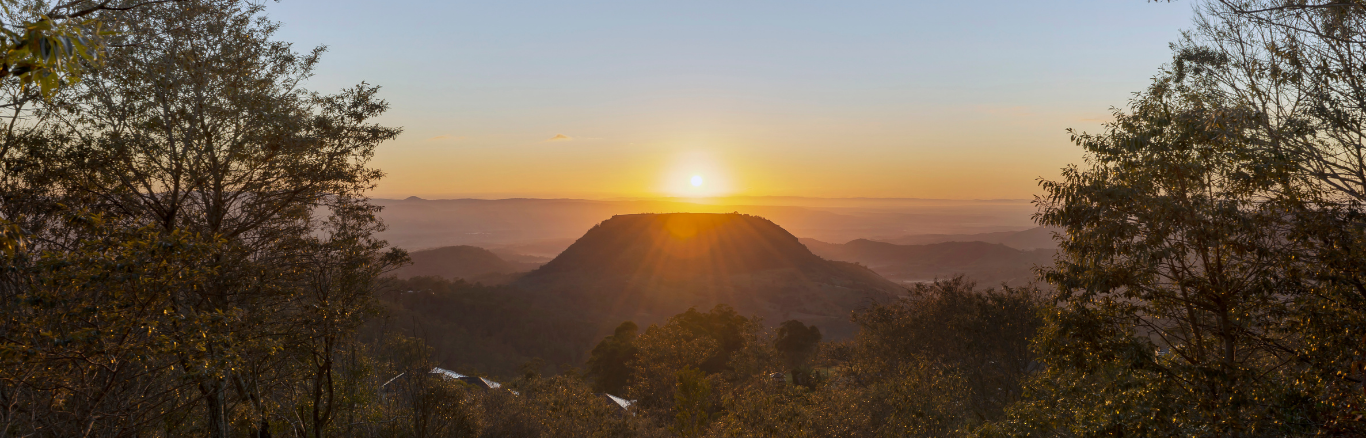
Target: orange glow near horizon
x,y
864,107
1003,165
696,174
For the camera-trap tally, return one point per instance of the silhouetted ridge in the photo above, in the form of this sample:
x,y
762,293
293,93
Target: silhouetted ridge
x,y
946,253
1031,239
466,262
683,244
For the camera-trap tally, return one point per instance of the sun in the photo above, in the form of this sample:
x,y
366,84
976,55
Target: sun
x,y
695,175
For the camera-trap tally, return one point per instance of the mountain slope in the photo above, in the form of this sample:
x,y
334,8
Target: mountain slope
x,y
987,263
647,267
1033,238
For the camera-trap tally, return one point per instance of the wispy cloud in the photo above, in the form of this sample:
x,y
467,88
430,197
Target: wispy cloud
x,y
560,137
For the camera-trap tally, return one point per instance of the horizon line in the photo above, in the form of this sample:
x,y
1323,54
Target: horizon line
x,y
681,198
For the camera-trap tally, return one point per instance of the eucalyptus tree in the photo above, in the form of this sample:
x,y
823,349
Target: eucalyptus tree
x,y
1183,304
1322,18
1297,65
43,46
46,44
196,126
1211,280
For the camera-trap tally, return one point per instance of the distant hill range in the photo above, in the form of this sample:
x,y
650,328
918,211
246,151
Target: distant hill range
x,y
648,267
1033,238
986,263
545,227
469,263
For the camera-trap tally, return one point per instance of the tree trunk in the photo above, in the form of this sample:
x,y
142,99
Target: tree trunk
x,y
218,410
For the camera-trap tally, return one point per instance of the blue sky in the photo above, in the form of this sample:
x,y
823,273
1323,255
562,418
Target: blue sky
x,y
850,98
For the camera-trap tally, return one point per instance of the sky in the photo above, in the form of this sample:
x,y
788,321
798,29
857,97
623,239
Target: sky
x,y
607,99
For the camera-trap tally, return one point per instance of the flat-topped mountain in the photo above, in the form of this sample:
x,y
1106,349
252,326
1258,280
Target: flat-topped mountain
x,y
647,267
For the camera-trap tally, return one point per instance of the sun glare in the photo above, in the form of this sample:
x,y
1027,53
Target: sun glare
x,y
696,174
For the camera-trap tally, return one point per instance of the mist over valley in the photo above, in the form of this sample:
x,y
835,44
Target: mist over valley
x,y
531,219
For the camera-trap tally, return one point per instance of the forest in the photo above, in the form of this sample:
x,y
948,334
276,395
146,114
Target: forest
x,y
189,250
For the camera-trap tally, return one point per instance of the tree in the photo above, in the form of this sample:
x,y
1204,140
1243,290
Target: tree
x,y
558,406
729,330
610,364
725,347
1331,19
46,49
196,127
1295,65
946,359
796,341
49,47
692,400
1178,288
416,402
947,334
90,338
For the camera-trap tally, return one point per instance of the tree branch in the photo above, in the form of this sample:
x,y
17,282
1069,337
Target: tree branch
x,y
1288,7
102,6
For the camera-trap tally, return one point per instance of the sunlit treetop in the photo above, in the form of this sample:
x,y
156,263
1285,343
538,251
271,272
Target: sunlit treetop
x,y
44,45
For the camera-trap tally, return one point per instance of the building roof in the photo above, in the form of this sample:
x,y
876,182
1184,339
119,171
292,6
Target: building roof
x,y
447,374
624,403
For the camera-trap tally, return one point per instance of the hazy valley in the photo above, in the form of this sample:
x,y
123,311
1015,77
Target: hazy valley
x,y
683,219
648,267
901,240
544,227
